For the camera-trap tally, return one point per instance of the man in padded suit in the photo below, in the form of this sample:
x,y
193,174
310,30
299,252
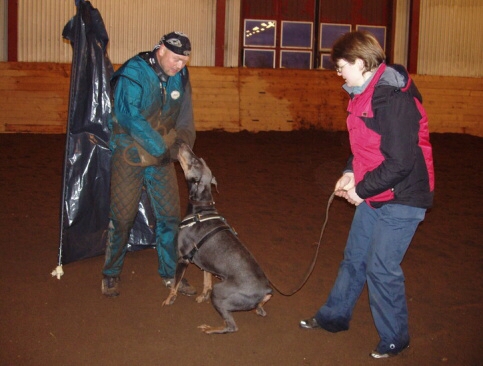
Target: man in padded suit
x,y
152,115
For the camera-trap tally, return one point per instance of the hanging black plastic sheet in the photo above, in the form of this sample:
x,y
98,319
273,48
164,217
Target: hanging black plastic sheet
x,y
85,188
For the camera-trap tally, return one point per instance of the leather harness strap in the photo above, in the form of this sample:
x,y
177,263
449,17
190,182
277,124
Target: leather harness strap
x,y
198,219
203,240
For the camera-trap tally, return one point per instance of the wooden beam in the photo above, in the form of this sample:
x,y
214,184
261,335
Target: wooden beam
x,y
413,44
12,30
220,33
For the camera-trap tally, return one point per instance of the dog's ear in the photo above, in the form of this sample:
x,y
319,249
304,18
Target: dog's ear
x,y
215,183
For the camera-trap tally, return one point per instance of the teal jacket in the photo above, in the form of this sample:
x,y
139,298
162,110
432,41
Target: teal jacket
x,y
144,109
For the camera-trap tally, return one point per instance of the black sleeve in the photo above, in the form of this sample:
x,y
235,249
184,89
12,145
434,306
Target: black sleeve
x,y
397,120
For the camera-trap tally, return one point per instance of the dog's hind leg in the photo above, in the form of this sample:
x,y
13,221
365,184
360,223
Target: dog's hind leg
x,y
207,287
230,325
219,330
221,306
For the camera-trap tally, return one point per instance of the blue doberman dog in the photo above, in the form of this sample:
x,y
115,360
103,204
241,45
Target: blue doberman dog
x,y
206,240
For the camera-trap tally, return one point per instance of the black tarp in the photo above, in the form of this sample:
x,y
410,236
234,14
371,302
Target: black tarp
x,y
85,186
85,189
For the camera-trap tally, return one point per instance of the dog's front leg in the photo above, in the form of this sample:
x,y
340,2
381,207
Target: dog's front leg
x,y
207,287
180,269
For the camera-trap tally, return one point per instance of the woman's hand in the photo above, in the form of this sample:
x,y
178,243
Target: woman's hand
x,y
345,188
344,183
352,197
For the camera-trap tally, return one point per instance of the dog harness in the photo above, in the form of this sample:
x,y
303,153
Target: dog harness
x,y
198,219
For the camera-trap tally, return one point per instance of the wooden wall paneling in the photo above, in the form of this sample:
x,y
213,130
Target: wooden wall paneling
x,y
286,100
34,98
260,107
453,103
216,98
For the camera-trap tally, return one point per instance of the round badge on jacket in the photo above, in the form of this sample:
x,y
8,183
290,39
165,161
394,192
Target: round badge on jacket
x,y
175,94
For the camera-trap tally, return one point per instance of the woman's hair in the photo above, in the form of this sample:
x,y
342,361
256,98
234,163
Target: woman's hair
x,y
358,45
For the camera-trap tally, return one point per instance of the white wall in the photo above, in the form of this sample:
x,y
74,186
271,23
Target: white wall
x,y
232,33
450,37
401,32
132,25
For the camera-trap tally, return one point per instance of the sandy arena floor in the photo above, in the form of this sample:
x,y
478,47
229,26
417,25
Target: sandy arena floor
x,y
273,189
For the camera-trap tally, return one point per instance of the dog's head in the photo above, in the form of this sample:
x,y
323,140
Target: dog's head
x,y
197,174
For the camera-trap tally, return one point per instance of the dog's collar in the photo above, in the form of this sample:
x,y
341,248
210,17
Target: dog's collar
x,y
201,203
193,219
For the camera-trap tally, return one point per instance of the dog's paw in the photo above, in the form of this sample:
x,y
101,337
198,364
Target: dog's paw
x,y
217,330
204,297
169,300
207,329
260,311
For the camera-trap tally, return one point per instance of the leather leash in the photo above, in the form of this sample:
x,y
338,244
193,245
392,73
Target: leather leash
x,y
314,260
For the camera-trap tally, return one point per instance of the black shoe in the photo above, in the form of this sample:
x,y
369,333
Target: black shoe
x,y
376,354
110,286
184,287
309,324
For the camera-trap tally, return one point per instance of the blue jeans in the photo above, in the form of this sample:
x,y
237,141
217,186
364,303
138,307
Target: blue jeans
x,y
377,242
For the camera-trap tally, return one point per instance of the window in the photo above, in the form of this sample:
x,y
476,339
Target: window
x,y
260,34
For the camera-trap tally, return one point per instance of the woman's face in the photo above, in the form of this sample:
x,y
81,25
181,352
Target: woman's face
x,y
351,72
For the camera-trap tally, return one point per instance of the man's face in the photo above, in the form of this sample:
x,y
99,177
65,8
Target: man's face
x,y
170,62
